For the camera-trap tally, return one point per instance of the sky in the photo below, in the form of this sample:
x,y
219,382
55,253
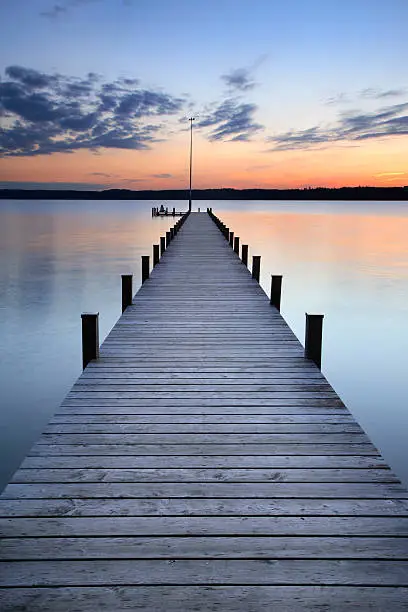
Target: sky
x,y
97,94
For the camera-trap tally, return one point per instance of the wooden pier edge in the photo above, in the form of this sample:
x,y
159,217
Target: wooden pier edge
x,y
201,463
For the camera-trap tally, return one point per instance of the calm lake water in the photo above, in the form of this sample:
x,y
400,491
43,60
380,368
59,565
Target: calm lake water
x,y
348,260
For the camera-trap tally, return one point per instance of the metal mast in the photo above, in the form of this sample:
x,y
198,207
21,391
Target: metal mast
x,y
191,158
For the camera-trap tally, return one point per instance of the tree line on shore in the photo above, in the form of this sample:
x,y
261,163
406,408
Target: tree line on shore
x,y
315,193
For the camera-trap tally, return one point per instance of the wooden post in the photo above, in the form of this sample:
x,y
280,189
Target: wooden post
x,y
162,245
174,212
171,233
313,338
145,267
90,337
244,254
168,239
156,255
276,290
226,233
236,245
231,238
126,290
256,267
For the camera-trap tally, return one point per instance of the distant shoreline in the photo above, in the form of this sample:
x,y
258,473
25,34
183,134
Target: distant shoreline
x,y
319,193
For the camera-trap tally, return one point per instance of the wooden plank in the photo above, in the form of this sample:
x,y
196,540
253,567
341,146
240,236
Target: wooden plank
x,y
205,489
204,438
194,572
215,547
203,449
65,475
204,526
198,428
206,598
218,462
199,407
275,420
275,506
198,401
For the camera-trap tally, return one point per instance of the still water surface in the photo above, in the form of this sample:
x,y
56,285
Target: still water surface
x,y
347,260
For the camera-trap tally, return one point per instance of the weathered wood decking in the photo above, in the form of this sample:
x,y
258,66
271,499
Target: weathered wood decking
x,y
203,464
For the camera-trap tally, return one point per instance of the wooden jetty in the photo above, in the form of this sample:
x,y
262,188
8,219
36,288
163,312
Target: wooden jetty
x,y
165,212
202,463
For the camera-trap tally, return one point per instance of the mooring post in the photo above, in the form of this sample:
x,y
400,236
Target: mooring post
x,y
276,291
168,239
90,337
126,290
231,238
244,254
171,233
313,338
145,267
174,212
156,254
226,233
236,245
256,267
162,245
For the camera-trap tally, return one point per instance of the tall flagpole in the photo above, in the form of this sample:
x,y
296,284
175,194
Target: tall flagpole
x,y
191,158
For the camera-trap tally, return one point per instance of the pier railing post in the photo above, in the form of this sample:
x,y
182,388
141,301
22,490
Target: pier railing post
x,y
171,233
168,239
313,338
244,254
231,238
162,245
256,267
90,337
145,267
276,291
126,290
236,245
156,254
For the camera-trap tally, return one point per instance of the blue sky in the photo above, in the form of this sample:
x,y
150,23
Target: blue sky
x,y
282,76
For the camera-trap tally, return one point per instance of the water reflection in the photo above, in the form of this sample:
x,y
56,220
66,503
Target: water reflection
x,y
347,260
58,259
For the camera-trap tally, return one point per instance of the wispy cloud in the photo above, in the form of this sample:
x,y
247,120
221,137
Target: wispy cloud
x,y
369,93
352,127
230,120
240,79
48,113
58,10
390,174
54,11
163,175
372,93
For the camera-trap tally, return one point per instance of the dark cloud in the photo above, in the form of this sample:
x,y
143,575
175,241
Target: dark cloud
x,y
55,113
142,102
388,121
239,79
32,79
231,120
